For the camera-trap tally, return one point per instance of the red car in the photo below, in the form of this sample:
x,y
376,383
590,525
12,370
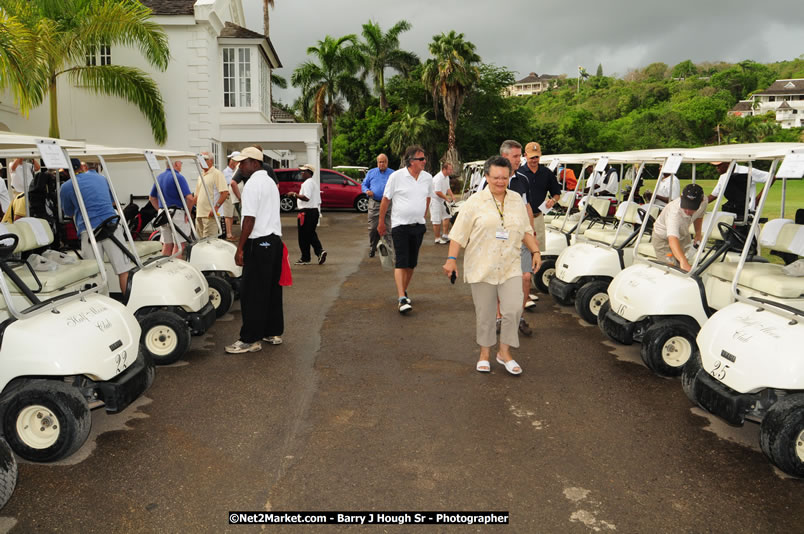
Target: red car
x,y
337,190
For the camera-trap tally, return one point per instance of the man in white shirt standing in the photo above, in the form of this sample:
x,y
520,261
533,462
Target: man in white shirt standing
x,y
228,206
22,173
260,252
667,190
308,201
438,211
410,188
735,191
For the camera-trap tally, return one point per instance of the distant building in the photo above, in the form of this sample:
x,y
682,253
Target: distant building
x,y
784,97
532,84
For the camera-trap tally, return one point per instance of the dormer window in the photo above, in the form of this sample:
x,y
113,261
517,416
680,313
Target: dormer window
x,y
237,83
790,85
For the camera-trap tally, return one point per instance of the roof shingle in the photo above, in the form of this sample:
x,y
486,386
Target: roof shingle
x,y
170,7
784,87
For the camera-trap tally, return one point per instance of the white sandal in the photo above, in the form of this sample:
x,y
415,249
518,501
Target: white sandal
x,y
483,366
510,365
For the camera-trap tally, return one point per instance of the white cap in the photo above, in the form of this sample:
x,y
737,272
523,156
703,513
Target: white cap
x,y
233,154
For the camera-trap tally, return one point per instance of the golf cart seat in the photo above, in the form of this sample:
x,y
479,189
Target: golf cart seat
x,y
147,248
769,278
628,215
596,203
34,234
722,217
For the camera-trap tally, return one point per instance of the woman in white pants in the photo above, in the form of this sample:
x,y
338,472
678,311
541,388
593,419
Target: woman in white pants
x,y
491,226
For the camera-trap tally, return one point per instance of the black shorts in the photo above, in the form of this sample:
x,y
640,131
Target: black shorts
x,y
407,241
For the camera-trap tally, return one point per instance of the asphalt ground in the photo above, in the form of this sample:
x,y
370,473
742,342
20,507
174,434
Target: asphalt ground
x,y
362,409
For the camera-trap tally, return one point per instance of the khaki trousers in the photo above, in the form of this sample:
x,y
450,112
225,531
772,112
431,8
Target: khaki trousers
x,y
539,231
485,298
206,227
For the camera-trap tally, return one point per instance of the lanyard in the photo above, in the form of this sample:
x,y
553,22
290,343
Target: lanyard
x,y
499,210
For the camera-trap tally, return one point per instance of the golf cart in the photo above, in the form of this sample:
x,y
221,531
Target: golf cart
x,y
562,231
62,353
664,307
749,365
8,473
169,296
212,256
585,269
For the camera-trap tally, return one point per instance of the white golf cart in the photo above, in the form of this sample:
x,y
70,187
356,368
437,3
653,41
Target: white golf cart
x,y
212,256
662,306
750,363
8,473
585,269
169,296
61,353
562,231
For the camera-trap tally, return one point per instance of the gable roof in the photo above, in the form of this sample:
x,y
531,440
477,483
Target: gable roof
x,y
784,87
533,77
280,115
743,105
784,105
170,7
233,31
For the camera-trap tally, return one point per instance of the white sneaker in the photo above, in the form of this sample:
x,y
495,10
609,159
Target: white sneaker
x,y
239,347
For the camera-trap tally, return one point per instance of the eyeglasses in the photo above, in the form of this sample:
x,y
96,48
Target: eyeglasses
x,y
418,159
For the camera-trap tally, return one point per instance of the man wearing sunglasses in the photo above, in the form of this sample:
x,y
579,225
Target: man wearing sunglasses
x,y
410,189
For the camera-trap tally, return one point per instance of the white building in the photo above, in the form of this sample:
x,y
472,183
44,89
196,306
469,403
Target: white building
x,y
532,84
216,92
784,97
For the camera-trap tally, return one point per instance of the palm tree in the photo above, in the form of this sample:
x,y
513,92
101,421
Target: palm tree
x,y
266,17
412,127
380,51
326,84
18,56
67,32
450,75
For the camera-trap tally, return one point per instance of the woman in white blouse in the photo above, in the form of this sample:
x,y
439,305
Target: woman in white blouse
x,y
491,225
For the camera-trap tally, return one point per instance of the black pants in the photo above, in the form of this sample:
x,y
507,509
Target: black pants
x,y
307,234
260,292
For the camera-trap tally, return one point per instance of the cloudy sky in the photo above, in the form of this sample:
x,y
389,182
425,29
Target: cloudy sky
x,y
550,36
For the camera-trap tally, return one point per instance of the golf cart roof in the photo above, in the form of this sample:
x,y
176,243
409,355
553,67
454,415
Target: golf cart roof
x,y
13,141
740,152
124,154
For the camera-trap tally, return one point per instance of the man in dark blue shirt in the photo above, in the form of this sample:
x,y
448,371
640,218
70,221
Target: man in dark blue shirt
x,y
374,186
172,244
99,204
536,182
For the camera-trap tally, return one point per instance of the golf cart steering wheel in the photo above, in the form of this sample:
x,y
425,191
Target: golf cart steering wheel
x,y
6,249
106,228
730,234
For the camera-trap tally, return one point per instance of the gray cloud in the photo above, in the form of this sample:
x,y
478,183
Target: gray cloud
x,y
552,36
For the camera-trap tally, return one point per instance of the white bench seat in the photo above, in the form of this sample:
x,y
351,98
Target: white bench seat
x,y
767,278
53,281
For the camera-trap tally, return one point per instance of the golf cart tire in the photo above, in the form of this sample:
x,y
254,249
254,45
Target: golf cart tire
x,y
286,204
8,472
165,336
590,298
781,434
660,343
541,279
361,203
690,375
220,292
63,407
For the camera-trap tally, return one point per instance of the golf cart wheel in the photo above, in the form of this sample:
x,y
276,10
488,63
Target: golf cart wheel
x,y
221,294
165,336
605,307
690,374
590,299
667,346
46,421
8,472
781,434
286,204
541,279
361,203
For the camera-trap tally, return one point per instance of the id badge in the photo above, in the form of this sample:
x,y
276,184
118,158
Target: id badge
x,y
502,233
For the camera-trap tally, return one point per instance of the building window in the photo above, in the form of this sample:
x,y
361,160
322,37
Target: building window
x,y
771,99
237,77
216,154
100,56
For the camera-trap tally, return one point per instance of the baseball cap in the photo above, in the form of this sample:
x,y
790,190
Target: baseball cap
x,y
233,154
691,197
248,153
533,149
76,163
306,167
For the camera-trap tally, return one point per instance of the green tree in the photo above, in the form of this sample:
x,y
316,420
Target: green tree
x,y
411,127
18,57
656,71
326,84
381,51
599,71
450,75
685,69
67,31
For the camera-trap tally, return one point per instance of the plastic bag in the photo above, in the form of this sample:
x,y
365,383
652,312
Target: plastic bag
x,y
387,255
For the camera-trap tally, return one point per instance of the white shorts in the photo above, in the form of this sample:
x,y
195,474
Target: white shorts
x,y
181,224
437,211
117,258
227,208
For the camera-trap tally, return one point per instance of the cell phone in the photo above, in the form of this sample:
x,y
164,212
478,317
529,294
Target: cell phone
x,y
452,277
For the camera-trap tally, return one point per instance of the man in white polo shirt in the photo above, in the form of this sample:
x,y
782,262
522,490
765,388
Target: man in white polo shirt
x,y
410,188
260,252
438,211
308,201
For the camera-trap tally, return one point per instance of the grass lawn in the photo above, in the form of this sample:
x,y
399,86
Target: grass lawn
x,y
773,207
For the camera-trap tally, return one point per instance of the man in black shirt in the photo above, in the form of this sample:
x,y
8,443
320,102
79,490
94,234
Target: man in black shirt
x,y
535,182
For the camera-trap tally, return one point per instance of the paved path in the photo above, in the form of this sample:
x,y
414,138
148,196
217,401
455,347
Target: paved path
x,y
363,409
